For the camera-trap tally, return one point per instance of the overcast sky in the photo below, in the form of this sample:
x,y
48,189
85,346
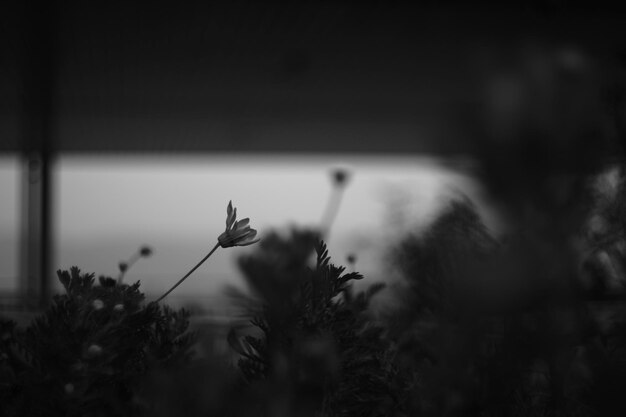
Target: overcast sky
x,y
106,207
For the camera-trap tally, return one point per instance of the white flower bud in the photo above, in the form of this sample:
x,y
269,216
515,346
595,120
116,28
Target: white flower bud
x,y
237,233
94,350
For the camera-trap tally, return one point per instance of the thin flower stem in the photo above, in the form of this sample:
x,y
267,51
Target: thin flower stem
x,y
131,261
217,245
332,208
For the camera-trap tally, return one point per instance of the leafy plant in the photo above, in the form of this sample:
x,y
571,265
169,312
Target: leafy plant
x,y
316,349
86,354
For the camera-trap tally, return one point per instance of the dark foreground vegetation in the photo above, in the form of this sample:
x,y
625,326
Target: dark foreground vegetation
x,y
479,326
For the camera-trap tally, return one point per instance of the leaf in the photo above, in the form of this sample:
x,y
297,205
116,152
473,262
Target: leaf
x,y
107,281
64,277
348,277
375,289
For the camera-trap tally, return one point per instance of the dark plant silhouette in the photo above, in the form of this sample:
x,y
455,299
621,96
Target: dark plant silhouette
x,y
318,352
86,355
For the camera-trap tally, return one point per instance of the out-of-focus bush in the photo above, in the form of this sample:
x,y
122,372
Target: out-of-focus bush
x,y
316,350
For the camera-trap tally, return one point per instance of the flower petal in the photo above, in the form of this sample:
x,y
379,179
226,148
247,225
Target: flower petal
x,y
241,223
230,218
238,234
249,243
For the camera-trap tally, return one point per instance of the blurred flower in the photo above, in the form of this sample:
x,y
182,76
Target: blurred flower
x,y
340,176
94,350
143,252
351,258
97,304
69,388
77,366
598,227
237,233
118,307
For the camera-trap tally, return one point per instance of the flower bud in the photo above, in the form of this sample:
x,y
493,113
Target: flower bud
x,y
94,350
237,233
340,176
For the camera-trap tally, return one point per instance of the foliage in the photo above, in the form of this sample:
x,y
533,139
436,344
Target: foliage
x,y
501,328
481,327
315,341
87,353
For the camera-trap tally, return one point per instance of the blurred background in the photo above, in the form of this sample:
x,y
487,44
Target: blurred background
x,y
124,125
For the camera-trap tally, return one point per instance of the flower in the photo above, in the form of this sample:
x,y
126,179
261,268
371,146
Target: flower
x,y
118,307
237,233
340,176
94,350
145,251
98,304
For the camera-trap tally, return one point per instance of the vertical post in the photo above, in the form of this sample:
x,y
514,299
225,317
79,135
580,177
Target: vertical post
x,y
36,228
37,75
